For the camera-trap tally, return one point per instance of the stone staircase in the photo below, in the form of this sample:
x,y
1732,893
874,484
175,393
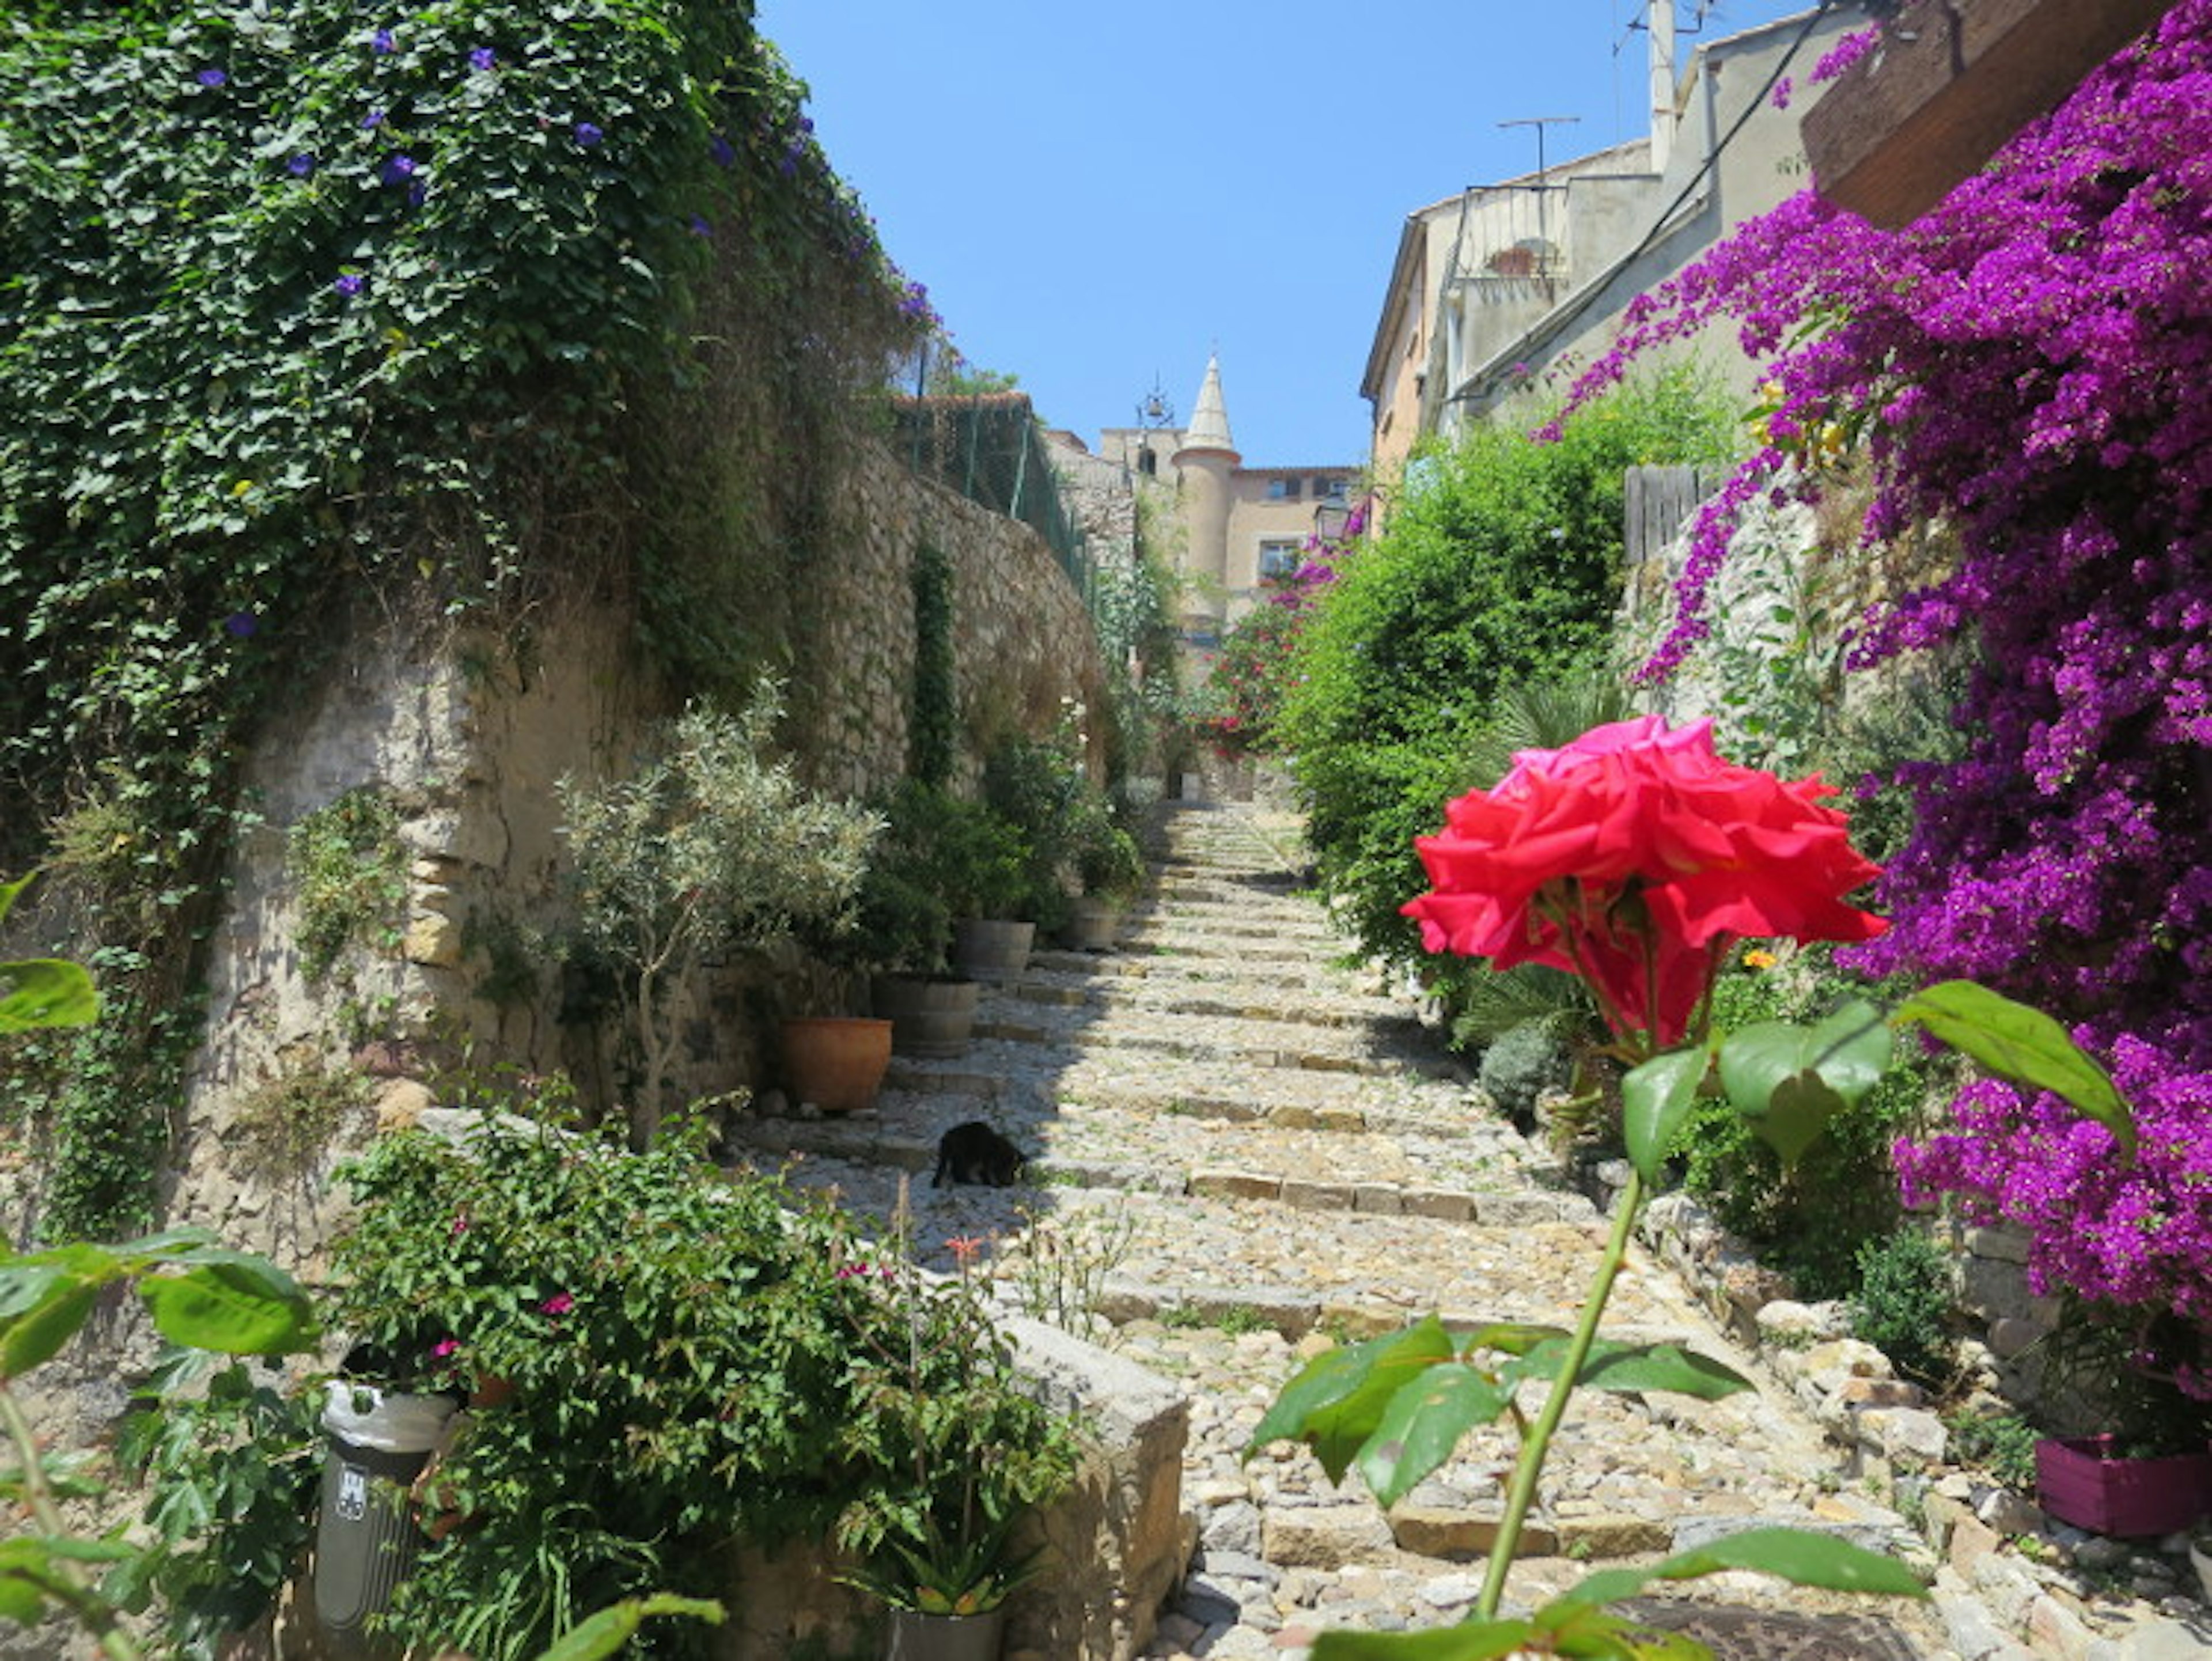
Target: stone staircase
x,y
1240,1153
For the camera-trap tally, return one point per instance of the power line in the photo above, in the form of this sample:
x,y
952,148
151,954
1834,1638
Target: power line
x,y
1558,320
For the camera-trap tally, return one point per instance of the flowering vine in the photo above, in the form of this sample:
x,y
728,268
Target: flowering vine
x,y
2029,364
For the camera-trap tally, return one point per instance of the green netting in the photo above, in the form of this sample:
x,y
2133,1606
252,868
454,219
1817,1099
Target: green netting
x,y
987,448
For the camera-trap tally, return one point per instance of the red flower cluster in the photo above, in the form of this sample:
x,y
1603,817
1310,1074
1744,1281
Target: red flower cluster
x,y
1635,857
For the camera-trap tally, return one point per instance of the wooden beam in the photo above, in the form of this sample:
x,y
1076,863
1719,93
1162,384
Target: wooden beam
x,y
1951,81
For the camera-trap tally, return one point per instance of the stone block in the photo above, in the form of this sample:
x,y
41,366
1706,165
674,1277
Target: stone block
x,y
1826,1366
1302,1195
1788,1322
1378,1199
400,1105
1906,1434
1460,1535
2053,1629
1607,1536
1440,1202
1235,1185
1326,1536
433,941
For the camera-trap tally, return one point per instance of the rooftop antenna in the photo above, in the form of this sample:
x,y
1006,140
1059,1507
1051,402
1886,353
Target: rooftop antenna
x,y
1543,183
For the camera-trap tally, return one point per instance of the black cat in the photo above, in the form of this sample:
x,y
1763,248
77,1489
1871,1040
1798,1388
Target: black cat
x,y
974,1153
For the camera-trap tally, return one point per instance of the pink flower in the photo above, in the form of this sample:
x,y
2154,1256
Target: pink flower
x,y
444,1348
559,1303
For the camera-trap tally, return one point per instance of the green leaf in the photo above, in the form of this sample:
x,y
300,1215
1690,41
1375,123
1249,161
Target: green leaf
x,y
1798,1555
602,1635
232,1302
42,1307
2022,1045
10,889
1655,1099
1618,1366
1513,1337
1788,1081
1337,1399
1425,1422
1472,1640
46,992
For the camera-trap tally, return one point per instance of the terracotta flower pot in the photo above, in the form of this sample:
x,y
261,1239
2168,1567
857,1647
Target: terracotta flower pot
x,y
2083,1481
836,1061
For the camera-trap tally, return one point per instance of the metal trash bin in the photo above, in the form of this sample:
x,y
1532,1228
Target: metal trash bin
x,y
366,1536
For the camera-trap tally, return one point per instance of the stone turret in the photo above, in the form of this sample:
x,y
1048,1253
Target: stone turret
x,y
1205,460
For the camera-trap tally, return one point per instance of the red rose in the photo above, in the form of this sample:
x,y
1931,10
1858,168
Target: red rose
x,y
1634,857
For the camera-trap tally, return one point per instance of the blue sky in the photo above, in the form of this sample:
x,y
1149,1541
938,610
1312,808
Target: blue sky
x,y
1097,195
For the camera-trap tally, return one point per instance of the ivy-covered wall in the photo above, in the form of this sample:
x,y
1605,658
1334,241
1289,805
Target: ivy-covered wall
x,y
352,359
461,737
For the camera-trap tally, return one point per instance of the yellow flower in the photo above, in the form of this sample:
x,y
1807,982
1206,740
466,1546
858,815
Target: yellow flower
x,y
1758,957
244,487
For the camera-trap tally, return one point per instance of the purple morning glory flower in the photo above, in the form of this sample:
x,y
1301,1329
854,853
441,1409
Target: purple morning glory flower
x,y
381,41
699,226
240,624
212,78
351,284
719,150
374,118
397,167
482,58
588,135
301,165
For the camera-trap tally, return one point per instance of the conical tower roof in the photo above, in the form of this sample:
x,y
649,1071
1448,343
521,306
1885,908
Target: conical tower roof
x,y
1209,418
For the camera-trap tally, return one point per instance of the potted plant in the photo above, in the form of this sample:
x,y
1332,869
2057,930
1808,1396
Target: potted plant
x,y
1110,867
936,852
710,847
977,863
2147,1471
958,1454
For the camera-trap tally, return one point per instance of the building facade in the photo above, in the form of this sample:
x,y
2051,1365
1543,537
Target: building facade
x,y
1227,531
1494,287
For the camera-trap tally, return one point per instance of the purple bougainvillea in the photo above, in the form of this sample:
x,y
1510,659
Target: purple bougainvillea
x,y
2031,364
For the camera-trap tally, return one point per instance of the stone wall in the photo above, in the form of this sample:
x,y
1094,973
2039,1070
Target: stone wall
x,y
465,733
1022,639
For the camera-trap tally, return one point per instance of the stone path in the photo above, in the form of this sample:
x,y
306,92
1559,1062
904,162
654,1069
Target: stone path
x,y
1239,1152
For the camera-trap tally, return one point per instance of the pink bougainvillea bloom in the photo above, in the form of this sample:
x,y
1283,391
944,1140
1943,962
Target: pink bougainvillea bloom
x,y
559,1303
1634,857
444,1348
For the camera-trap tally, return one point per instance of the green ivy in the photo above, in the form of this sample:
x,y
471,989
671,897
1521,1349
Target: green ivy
x,y
350,870
934,735
450,305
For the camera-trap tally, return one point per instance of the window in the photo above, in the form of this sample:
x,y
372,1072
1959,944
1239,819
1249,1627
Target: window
x,y
1283,490
1280,560
1328,489
1148,464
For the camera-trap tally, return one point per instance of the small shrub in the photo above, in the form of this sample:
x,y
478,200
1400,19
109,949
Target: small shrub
x,y
1809,1220
2000,1445
692,1359
1902,1305
352,873
1525,1062
287,1122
